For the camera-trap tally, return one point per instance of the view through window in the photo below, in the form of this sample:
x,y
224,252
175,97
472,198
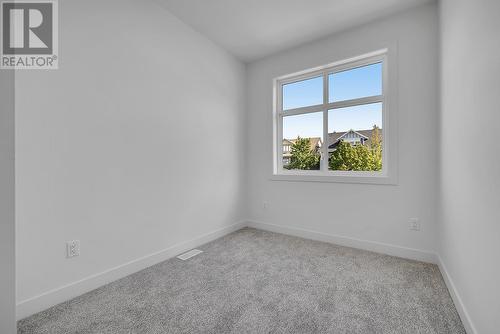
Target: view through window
x,y
331,119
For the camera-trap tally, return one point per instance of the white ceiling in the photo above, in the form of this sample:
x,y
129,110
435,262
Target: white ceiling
x,y
252,29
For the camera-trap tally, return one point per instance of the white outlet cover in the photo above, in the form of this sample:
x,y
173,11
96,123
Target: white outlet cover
x,y
73,248
414,224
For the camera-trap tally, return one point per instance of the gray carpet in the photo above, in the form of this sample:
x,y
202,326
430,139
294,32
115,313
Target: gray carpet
x,y
253,281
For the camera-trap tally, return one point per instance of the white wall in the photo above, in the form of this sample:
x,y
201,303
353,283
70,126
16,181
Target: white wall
x,y
134,145
377,213
7,222
470,169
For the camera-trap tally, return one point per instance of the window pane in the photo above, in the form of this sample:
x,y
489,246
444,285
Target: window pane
x,y
302,140
303,93
355,83
355,138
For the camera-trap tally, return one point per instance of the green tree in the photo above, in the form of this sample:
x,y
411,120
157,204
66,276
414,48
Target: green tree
x,y
302,156
376,148
346,157
359,157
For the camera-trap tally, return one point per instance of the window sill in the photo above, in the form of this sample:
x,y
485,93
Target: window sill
x,y
359,178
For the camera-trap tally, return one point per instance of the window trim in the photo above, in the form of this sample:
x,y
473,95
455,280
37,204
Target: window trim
x,y
389,141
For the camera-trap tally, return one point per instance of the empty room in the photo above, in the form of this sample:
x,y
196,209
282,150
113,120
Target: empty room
x,y
249,166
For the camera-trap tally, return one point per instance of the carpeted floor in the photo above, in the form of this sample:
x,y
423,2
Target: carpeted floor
x,y
253,281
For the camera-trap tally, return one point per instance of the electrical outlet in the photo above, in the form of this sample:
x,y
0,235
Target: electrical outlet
x,y
73,248
414,224
265,205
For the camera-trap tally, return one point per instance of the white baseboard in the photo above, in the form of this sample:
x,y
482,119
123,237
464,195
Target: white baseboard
x,y
373,246
53,297
457,300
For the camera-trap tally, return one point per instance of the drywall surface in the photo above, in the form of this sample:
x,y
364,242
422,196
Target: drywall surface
x,y
470,168
377,213
132,146
259,28
7,221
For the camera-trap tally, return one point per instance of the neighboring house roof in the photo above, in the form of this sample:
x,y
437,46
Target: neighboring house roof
x,y
358,134
333,138
315,143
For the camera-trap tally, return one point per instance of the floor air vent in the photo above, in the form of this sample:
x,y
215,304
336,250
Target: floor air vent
x,y
190,254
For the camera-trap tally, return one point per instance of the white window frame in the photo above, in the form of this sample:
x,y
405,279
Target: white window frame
x,y
389,135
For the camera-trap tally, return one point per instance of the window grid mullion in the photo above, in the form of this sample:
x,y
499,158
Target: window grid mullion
x,y
324,148
302,110
355,102
333,105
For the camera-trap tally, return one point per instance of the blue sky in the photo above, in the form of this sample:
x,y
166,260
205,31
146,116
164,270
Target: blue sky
x,y
351,84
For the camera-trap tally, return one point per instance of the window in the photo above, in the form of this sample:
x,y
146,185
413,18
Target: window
x,y
332,122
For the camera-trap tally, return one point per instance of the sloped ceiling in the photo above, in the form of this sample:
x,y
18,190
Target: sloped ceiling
x,y
253,29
